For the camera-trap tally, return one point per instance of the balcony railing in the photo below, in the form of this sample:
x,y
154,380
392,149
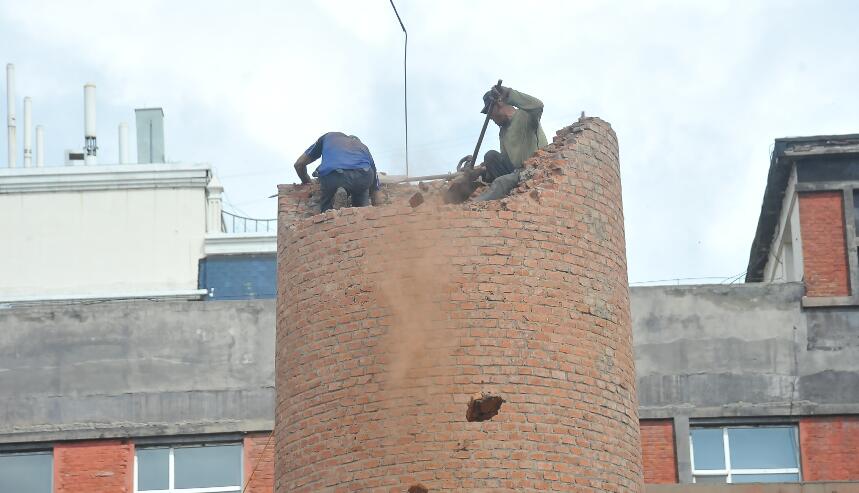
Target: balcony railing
x,y
235,224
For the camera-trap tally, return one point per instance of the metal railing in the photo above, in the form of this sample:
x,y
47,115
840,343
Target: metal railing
x,y
233,223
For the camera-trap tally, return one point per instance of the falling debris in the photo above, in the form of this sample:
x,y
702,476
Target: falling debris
x,y
416,200
418,488
483,408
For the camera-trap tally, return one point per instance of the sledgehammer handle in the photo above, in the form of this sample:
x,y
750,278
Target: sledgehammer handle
x,y
483,130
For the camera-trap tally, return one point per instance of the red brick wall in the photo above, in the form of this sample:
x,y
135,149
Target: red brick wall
x,y
821,218
259,454
390,319
658,454
94,467
829,448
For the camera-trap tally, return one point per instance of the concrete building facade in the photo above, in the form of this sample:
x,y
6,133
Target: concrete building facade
x,y
771,362
81,232
107,276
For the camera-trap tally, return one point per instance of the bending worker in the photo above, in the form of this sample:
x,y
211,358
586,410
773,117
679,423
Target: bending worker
x,y
518,116
346,163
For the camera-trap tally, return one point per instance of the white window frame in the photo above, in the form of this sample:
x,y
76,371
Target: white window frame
x,y
731,472
171,476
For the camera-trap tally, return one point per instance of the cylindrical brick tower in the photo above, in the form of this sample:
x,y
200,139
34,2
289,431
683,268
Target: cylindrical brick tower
x,y
401,330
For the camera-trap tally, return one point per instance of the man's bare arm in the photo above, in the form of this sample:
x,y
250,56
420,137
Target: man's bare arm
x,y
301,168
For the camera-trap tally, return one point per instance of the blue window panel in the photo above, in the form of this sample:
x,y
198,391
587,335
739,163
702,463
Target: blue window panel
x,y
709,448
239,277
765,478
153,466
763,448
26,473
208,467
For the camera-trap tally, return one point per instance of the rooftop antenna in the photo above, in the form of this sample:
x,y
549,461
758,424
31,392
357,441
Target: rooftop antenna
x,y
10,115
405,83
89,123
40,146
28,139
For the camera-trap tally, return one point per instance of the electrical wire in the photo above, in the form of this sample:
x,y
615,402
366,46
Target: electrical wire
x,y
232,206
405,82
678,279
734,278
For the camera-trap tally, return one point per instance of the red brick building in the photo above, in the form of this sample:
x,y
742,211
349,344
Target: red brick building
x,y
758,382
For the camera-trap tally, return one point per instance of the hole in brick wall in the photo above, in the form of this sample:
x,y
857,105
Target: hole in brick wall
x,y
418,488
483,408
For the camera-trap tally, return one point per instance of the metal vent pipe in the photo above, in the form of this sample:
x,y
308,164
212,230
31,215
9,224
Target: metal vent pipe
x,y
91,147
10,115
40,146
28,138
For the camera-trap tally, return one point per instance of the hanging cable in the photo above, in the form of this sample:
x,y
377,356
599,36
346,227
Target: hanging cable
x,y
405,82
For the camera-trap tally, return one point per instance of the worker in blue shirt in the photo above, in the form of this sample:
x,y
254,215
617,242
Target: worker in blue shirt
x,y
346,163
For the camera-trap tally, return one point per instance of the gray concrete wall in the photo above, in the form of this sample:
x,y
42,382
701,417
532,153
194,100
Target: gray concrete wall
x,y
743,350
163,368
136,369
747,353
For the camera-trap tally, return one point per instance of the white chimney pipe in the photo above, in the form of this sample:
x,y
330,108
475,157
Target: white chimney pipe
x,y
28,138
123,143
40,146
89,123
10,115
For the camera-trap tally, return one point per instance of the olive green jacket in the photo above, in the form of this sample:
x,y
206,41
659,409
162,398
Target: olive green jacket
x,y
523,135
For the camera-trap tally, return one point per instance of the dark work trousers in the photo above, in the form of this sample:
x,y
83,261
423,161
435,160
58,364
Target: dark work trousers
x,y
496,165
500,173
356,182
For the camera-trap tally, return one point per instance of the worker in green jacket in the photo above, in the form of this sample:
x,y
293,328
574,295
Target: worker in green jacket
x,y
518,116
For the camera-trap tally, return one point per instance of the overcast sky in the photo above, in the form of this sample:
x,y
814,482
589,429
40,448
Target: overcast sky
x,y
696,92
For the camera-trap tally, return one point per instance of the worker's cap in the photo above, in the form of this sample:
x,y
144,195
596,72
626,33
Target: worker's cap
x,y
487,102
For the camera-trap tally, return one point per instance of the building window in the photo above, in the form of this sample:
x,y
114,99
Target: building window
x,y
215,468
767,454
26,472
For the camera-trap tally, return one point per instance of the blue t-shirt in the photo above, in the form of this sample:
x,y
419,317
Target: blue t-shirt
x,y
340,151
